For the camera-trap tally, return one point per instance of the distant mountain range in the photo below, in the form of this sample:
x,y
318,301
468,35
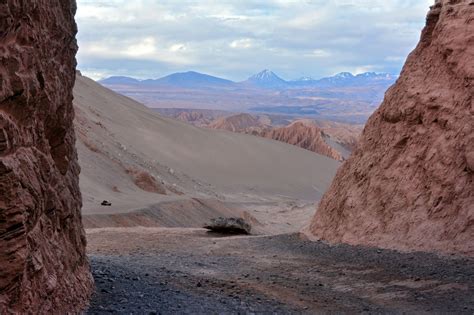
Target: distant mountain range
x,y
343,97
190,79
265,79
348,79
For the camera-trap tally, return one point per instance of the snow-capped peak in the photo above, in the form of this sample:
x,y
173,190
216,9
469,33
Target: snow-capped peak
x,y
264,75
267,79
344,75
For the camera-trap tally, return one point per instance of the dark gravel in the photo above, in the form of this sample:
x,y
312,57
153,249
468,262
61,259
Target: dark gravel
x,y
273,275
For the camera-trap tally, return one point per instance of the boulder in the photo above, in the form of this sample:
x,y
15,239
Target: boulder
x,y
228,226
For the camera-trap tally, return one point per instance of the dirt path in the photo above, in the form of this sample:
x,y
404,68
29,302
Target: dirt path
x,y
148,271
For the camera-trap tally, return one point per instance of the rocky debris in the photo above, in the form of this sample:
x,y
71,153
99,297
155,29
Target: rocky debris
x,y
44,268
228,226
280,274
409,185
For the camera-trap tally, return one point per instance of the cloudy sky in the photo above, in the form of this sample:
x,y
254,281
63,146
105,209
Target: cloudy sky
x,y
236,38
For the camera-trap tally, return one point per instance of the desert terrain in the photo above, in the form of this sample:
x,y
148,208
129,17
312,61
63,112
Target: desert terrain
x,y
269,204
150,254
158,171
329,138
188,271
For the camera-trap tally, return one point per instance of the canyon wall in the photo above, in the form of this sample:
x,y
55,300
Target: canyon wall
x,y
409,184
43,265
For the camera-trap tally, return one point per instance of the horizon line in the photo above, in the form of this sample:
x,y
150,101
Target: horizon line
x,y
203,73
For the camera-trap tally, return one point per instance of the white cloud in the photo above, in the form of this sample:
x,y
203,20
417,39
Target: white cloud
x,y
318,53
242,43
307,21
177,47
236,38
362,69
144,48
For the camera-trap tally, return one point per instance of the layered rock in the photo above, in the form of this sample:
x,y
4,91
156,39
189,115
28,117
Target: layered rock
x,y
193,117
409,184
304,135
344,134
44,268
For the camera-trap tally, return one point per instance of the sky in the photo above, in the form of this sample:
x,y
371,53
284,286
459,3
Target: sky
x,y
234,39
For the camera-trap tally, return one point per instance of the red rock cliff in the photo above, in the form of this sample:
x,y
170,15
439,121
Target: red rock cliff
x,y
409,184
43,265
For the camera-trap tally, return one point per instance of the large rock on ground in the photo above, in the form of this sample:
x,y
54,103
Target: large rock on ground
x,y
229,226
409,185
43,265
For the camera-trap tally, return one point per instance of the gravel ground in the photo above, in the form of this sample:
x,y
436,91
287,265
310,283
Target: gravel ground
x,y
166,271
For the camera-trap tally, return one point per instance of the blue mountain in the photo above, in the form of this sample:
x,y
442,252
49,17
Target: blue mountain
x,y
191,79
345,79
119,80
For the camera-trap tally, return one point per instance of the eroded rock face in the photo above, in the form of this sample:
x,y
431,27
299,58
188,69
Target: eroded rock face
x,y
44,268
304,135
409,184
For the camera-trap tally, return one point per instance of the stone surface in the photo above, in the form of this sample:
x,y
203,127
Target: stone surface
x,y
44,268
409,184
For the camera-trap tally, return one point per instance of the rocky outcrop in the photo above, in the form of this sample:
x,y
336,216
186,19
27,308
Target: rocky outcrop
x,y
409,184
193,117
237,123
44,269
304,135
344,134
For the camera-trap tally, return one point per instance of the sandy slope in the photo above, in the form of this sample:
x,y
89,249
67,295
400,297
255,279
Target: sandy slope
x,y
118,136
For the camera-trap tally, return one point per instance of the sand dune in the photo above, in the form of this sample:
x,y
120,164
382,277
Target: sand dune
x,y
118,137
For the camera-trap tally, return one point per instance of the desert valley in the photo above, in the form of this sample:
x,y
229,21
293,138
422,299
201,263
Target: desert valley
x,y
173,174
194,194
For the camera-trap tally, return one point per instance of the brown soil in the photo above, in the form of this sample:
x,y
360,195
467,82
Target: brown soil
x,y
147,182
